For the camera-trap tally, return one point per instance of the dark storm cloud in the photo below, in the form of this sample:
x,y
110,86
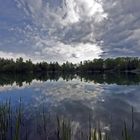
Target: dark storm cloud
x,y
122,28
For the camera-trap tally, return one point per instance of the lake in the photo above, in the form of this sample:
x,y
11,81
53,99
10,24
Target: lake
x,y
105,100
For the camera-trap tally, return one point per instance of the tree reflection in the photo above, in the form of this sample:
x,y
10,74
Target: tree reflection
x,y
101,78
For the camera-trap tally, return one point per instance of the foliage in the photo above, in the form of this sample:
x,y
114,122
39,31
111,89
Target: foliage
x,y
97,65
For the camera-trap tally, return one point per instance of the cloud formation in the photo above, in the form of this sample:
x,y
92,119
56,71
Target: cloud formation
x,y
122,28
64,30
72,30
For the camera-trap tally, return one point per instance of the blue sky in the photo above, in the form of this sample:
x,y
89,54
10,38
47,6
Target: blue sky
x,y
69,30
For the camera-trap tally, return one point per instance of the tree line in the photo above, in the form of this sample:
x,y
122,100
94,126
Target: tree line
x,y
119,64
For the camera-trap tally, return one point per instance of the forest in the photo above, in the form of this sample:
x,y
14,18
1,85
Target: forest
x,y
120,64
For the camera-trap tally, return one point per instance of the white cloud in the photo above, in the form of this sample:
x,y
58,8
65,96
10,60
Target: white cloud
x,y
14,56
70,29
9,55
64,32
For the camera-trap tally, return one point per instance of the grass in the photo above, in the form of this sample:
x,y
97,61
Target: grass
x,y
13,126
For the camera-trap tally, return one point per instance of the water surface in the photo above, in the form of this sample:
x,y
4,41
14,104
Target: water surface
x,y
106,98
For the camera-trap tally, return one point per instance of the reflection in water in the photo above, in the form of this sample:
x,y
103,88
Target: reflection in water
x,y
106,97
101,78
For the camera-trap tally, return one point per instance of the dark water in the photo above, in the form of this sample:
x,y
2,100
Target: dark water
x,y
108,98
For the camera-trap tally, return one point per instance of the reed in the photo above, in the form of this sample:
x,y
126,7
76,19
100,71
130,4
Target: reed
x,y
11,127
64,129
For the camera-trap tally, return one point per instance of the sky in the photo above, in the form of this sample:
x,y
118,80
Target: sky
x,y
69,30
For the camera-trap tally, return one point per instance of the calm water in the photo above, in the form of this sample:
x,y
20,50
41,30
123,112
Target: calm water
x,y
108,98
